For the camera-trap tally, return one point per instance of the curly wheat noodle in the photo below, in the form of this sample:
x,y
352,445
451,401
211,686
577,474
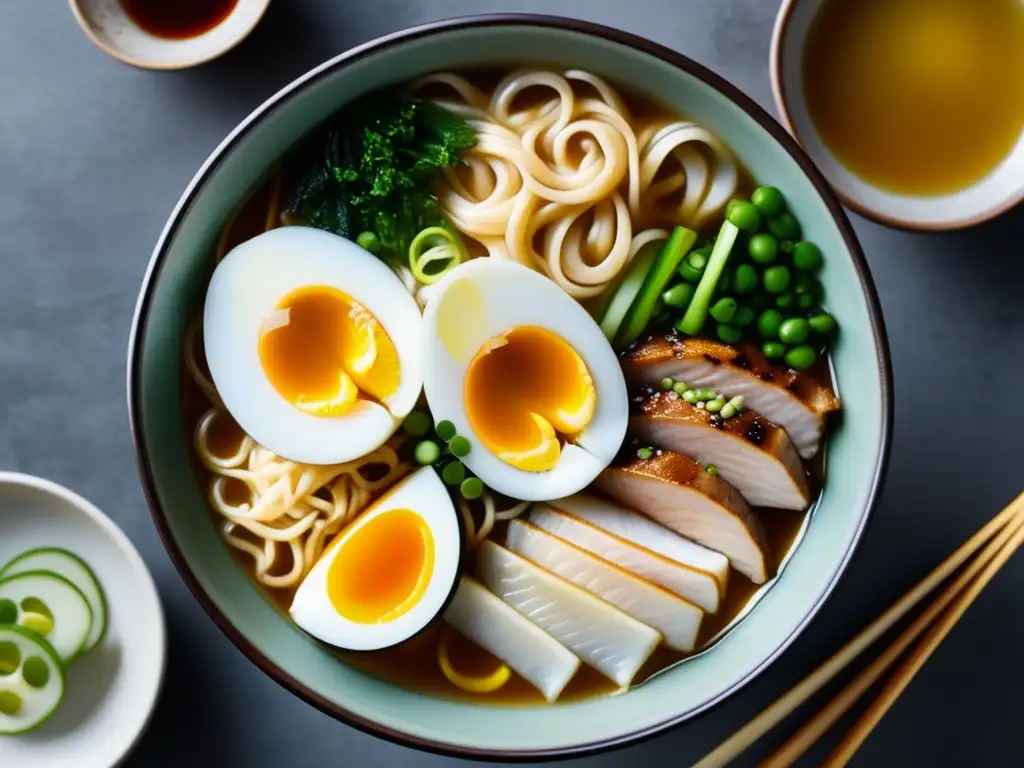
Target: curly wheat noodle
x,y
568,183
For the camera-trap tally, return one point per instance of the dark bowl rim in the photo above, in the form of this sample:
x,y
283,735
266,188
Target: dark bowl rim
x,y
591,29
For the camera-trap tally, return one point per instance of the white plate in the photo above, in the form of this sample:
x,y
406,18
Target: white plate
x,y
110,692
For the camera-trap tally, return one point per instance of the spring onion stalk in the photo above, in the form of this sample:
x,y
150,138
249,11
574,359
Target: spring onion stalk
x,y
433,252
697,312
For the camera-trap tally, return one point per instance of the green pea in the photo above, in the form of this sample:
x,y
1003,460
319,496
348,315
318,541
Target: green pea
x,y
769,201
445,430
417,424
724,282
776,279
760,301
786,246
472,488
744,316
801,358
763,248
714,406
690,273
368,241
690,396
737,402
794,331
453,473
745,279
769,322
680,387
785,301
773,349
743,215
644,453
460,446
784,226
806,282
806,255
728,333
806,301
822,323
697,259
678,295
427,452
667,383
728,411
724,309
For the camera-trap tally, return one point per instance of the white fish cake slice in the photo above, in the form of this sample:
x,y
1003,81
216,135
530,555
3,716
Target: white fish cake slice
x,y
639,545
604,637
677,619
535,655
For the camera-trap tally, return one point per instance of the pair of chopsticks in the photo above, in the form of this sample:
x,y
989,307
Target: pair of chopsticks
x,y
997,541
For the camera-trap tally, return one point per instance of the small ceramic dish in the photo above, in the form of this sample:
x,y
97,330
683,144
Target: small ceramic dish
x,y
996,193
180,271
109,27
111,691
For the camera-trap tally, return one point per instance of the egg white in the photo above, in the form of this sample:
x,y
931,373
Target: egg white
x,y
505,295
247,286
423,493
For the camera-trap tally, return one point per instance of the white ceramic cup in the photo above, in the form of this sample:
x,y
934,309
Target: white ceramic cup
x,y
107,25
994,194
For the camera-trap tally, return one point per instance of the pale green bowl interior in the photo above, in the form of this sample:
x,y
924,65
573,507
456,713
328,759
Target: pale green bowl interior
x,y
854,453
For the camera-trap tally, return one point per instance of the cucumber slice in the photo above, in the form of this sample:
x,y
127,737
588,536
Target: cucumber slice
x,y
31,680
72,568
35,594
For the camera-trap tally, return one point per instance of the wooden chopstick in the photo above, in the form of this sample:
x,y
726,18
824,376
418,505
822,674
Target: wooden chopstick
x,y
810,732
784,706
901,679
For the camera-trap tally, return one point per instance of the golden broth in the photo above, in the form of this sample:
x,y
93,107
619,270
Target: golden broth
x,y
921,97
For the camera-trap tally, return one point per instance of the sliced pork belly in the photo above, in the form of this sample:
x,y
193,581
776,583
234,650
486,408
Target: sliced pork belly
x,y
611,641
751,453
797,402
677,492
633,541
499,628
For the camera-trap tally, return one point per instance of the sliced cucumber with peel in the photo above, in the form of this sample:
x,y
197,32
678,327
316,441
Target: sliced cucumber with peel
x,y
51,606
31,680
72,568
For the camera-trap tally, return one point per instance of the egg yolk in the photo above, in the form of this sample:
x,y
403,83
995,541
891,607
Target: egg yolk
x,y
322,350
526,391
382,570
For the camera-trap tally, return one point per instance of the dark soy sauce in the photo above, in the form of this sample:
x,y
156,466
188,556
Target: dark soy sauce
x,y
178,19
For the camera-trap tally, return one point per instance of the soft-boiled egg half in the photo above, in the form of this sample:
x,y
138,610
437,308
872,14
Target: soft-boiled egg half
x,y
522,370
389,573
313,343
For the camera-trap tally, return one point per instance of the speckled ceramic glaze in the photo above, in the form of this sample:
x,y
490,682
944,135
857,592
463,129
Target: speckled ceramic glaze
x,y
177,278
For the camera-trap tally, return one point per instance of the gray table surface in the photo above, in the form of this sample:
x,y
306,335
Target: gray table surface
x,y
93,155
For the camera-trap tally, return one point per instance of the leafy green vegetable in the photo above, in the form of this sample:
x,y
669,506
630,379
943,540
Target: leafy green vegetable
x,y
370,170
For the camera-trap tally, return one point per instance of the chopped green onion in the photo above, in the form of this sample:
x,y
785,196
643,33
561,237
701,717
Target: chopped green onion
x,y
696,313
711,469
628,289
714,406
369,241
433,252
644,453
471,488
727,411
426,452
690,396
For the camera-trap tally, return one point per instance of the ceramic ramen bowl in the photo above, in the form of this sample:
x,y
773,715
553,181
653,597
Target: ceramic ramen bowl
x,y
176,281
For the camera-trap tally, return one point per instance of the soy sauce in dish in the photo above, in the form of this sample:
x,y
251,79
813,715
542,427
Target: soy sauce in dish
x,y
178,19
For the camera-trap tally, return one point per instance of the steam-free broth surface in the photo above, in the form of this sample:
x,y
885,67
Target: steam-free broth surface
x,y
920,97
